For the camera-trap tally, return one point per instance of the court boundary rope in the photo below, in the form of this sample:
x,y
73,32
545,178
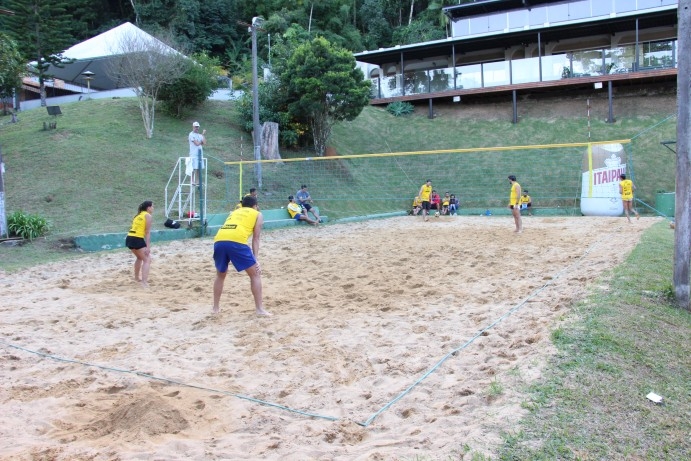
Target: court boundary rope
x,y
374,415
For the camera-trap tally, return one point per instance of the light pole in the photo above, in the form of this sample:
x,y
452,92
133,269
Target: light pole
x,y
88,76
256,23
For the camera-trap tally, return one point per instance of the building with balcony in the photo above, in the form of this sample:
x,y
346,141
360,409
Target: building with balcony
x,y
512,47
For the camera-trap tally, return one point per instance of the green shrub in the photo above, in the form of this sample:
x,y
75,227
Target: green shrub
x,y
26,226
399,108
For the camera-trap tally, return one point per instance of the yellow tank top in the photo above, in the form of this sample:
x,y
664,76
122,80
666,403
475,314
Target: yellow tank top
x,y
425,193
138,225
514,199
626,189
294,209
238,226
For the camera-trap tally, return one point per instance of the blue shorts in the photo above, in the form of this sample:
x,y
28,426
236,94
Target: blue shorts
x,y
238,253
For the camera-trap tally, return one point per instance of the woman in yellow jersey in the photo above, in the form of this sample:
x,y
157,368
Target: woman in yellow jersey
x,y
626,188
515,203
138,240
230,246
417,206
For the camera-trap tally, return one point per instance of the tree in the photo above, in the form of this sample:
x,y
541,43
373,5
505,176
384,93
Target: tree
x,y
378,30
12,67
146,64
42,29
322,87
193,87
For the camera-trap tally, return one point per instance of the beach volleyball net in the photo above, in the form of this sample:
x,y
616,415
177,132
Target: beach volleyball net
x,y
368,184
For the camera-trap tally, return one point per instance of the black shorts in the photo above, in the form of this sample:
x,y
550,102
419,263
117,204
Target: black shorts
x,y
425,205
307,206
135,243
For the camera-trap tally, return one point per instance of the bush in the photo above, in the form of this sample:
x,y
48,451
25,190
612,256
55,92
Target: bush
x,y
26,226
399,108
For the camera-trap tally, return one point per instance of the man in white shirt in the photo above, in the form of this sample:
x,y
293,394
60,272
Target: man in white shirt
x,y
197,140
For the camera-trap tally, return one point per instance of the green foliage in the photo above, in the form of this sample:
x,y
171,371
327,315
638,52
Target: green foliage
x,y
321,87
418,31
11,68
399,108
378,30
272,109
197,83
42,30
27,226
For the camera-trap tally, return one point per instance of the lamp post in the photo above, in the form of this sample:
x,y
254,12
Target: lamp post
x,y
256,23
88,76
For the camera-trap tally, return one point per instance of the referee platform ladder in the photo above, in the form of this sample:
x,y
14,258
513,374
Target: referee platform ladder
x,y
184,200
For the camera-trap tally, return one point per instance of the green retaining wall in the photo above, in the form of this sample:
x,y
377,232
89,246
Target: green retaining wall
x,y
273,219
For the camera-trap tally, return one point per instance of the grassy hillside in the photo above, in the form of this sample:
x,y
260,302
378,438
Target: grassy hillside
x,y
89,174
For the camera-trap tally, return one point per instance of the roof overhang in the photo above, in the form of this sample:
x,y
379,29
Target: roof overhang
x,y
491,6
505,40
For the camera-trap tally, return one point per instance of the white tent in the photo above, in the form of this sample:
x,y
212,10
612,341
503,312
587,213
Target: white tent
x,y
95,55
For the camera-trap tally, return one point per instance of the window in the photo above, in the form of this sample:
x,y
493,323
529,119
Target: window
x,y
622,6
601,7
478,25
580,10
518,19
558,13
537,16
497,22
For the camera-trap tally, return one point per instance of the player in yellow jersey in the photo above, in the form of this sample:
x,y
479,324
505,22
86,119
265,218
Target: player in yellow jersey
x,y
445,202
138,240
626,188
230,246
417,206
515,203
253,193
425,195
298,213
526,203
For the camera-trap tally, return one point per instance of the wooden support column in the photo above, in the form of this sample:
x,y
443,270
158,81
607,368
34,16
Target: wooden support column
x,y
515,108
610,117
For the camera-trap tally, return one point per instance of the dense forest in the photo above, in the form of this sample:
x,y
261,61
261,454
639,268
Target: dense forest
x,y
218,28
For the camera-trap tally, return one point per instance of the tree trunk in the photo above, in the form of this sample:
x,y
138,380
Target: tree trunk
x,y
269,141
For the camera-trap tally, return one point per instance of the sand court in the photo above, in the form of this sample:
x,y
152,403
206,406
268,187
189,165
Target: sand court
x,y
388,340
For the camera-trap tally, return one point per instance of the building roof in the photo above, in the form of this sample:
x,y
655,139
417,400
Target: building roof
x,y
95,54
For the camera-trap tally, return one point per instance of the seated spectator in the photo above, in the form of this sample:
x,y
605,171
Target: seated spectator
x,y
435,201
445,204
304,199
526,203
417,206
298,213
453,205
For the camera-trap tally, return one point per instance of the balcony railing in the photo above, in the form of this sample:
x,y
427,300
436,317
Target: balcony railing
x,y
582,63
